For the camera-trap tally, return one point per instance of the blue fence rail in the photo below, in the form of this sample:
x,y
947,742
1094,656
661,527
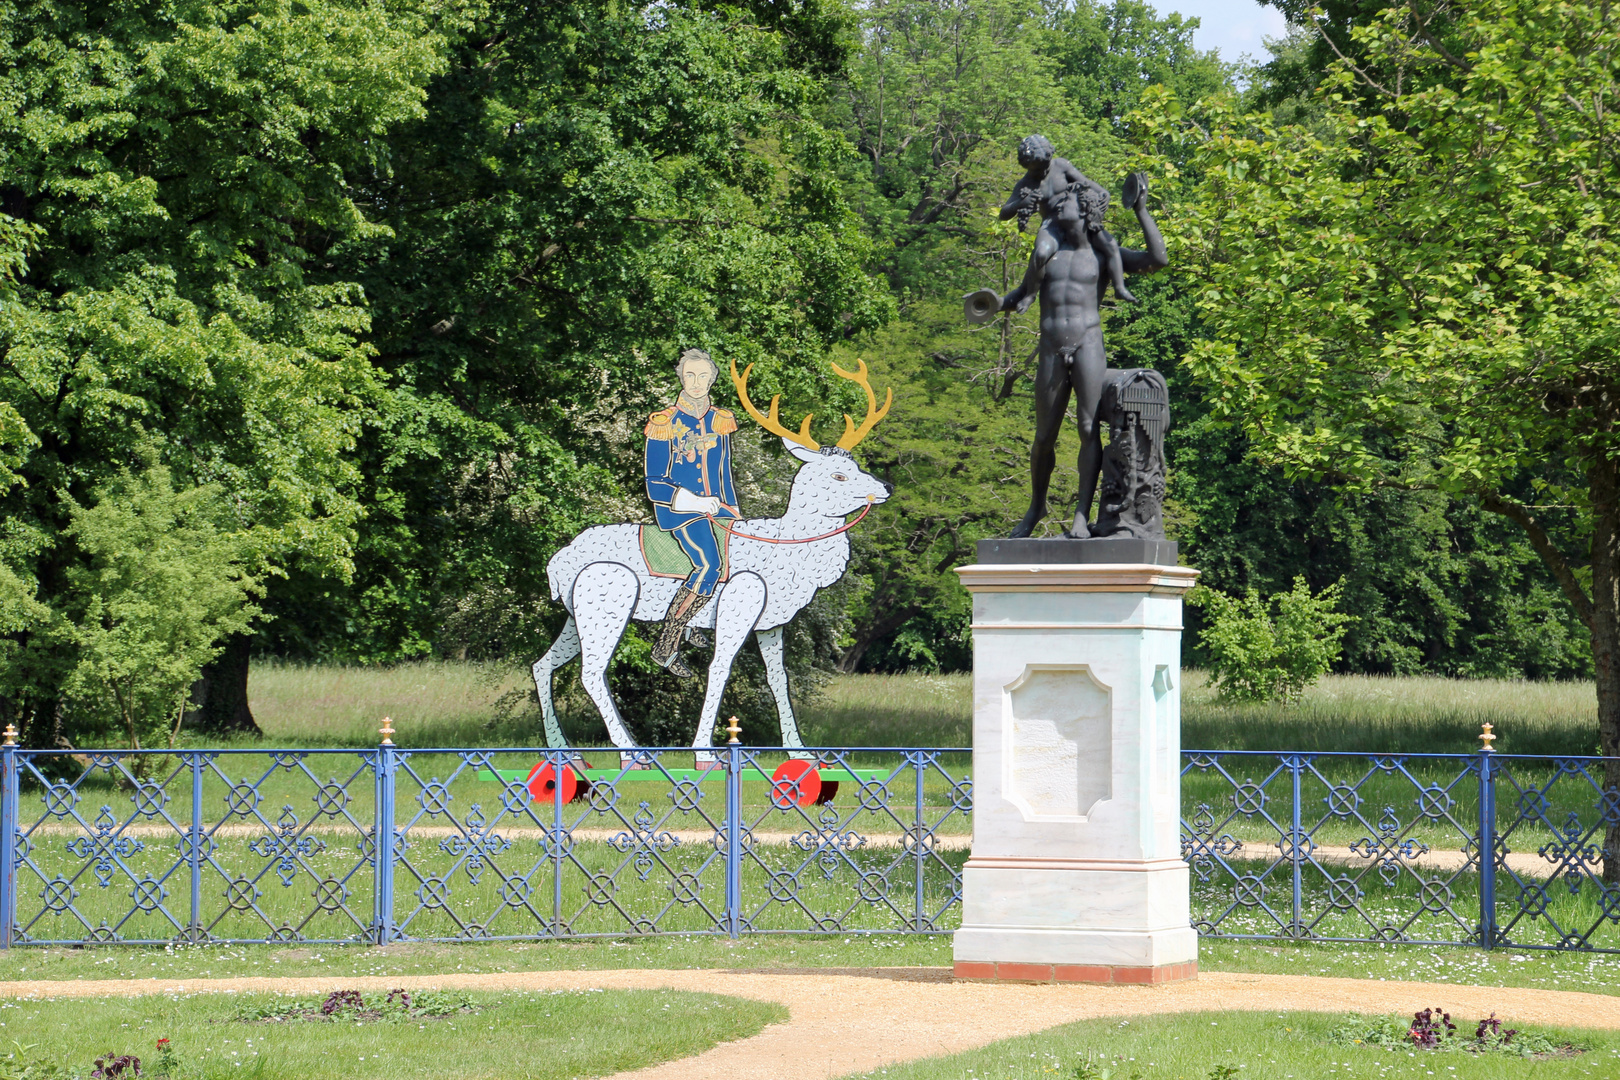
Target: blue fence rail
x,y
388,844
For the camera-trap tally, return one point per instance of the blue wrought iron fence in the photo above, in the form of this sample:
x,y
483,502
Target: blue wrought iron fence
x,y
1484,849
388,844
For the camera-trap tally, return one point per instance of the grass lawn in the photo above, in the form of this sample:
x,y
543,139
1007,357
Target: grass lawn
x,y
1240,1046
540,1035
444,703
1588,972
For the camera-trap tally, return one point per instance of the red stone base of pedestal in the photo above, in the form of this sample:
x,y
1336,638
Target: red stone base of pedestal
x,y
1075,973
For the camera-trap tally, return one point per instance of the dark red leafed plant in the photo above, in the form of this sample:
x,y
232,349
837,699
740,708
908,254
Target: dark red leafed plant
x,y
404,997
1429,1027
1492,1027
110,1066
339,1000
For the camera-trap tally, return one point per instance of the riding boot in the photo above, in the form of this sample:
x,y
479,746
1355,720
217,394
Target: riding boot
x,y
666,652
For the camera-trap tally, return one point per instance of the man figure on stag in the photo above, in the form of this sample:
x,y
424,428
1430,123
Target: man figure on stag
x,y
689,483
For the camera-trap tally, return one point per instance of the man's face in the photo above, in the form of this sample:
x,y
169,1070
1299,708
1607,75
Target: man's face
x,y
696,378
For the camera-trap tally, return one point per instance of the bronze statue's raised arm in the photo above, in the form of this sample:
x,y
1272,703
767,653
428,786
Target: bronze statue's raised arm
x,y
1155,257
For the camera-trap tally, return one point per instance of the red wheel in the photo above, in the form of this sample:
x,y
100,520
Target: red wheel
x,y
543,783
795,782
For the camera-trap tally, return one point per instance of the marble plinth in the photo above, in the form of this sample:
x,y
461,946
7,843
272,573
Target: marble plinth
x,y
1076,870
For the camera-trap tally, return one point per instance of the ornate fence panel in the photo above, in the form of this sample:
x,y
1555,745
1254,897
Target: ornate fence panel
x,y
391,844
212,845
1484,849
455,844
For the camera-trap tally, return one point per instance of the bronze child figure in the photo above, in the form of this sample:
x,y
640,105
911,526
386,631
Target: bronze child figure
x,y
1071,205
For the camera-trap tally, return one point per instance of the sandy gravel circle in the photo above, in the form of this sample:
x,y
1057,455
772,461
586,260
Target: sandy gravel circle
x,y
853,1020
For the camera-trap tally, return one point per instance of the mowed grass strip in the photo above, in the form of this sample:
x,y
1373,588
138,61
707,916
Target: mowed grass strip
x,y
1243,1046
539,1034
1593,973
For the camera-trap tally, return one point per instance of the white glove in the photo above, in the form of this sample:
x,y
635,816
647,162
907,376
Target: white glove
x,y
686,502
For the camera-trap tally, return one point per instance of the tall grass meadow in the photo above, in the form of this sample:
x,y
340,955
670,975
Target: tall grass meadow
x,y
449,703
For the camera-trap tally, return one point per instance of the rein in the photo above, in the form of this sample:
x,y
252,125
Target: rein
x,y
808,540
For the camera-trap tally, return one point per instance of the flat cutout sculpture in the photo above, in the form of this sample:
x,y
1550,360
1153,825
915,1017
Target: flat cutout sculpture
x,y
703,566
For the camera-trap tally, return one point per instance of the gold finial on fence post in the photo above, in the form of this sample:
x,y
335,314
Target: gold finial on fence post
x,y
387,731
733,729
1487,738
11,735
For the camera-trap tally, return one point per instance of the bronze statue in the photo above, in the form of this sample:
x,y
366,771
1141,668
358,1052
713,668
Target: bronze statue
x,y
1067,271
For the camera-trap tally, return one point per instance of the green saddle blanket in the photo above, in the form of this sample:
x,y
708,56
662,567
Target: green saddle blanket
x,y
665,558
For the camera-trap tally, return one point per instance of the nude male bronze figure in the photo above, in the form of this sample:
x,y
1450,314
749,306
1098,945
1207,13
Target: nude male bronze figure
x,y
1069,270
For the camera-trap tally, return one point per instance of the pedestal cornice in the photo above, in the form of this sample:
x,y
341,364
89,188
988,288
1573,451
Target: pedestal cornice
x,y
1078,577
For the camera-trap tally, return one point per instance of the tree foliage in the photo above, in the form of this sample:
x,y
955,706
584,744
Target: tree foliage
x,y
391,315
1271,649
164,581
1417,292
172,190
591,188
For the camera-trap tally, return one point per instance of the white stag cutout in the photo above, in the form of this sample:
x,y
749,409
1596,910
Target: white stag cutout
x,y
776,566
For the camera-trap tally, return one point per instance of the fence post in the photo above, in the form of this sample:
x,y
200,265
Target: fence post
x,y
558,759
919,760
1487,841
194,858
733,829
1296,766
9,789
382,833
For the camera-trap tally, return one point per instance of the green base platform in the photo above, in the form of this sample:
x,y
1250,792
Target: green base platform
x,y
648,776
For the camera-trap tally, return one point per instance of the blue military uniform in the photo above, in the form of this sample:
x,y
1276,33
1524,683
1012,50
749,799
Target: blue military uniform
x,y
691,452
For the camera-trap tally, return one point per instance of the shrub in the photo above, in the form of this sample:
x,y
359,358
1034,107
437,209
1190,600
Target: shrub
x,y
1432,1029
1271,650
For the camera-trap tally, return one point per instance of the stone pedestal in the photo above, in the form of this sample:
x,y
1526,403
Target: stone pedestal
x,y
1076,871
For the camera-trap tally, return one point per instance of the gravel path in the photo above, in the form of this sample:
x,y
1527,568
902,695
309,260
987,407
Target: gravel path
x,y
855,1019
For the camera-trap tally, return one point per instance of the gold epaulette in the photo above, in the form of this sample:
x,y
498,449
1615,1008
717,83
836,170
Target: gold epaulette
x,y
725,422
659,425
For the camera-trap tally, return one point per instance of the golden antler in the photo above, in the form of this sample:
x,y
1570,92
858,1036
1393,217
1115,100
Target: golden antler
x,y
771,423
852,434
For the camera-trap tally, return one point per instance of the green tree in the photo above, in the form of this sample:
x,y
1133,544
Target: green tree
x,y
1107,54
166,578
935,104
1271,649
1416,298
171,191
592,187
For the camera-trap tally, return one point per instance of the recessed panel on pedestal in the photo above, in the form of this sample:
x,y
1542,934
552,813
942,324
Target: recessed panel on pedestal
x,y
1058,755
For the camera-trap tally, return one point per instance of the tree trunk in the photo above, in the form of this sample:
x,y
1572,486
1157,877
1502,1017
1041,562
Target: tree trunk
x,y
866,635
42,724
1605,487
219,698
